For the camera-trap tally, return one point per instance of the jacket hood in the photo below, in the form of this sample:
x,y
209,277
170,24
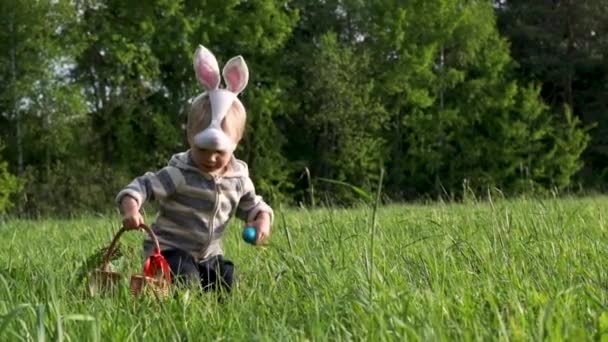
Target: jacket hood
x,y
184,161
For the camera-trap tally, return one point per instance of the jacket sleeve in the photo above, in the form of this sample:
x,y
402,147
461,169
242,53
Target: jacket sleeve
x,y
152,186
251,204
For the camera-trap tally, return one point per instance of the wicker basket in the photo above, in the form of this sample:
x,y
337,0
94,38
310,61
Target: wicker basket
x,y
155,279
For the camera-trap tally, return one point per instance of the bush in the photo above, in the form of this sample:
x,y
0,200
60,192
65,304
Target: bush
x,y
68,189
9,184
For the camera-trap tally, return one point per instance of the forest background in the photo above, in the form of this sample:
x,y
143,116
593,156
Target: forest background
x,y
449,97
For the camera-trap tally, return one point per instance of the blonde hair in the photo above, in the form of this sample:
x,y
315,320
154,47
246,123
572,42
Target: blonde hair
x,y
199,118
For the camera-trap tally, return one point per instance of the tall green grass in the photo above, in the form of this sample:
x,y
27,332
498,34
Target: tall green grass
x,y
509,270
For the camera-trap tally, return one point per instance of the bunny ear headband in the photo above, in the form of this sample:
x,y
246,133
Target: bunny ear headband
x,y
236,76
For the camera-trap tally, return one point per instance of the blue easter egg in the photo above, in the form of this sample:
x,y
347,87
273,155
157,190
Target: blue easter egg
x,y
249,235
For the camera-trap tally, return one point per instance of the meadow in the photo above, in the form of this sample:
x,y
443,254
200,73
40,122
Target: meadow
x,y
515,270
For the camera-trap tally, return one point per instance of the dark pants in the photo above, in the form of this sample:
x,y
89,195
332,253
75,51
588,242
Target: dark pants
x,y
213,274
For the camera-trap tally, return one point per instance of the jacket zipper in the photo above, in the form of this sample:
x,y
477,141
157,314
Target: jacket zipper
x,y
216,209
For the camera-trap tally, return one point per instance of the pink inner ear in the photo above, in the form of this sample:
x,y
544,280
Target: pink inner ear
x,y
208,76
233,79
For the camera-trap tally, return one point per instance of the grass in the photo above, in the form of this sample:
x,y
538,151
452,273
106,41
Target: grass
x,y
512,270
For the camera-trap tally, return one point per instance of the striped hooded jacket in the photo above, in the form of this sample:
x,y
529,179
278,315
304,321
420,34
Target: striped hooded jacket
x,y
195,207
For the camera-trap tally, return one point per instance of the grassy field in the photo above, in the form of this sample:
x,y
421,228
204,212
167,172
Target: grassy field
x,y
518,270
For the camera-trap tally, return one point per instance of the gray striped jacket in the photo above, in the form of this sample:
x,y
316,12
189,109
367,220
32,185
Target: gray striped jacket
x,y
195,207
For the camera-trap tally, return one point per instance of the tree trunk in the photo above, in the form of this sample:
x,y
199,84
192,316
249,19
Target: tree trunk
x,y
47,149
568,92
16,113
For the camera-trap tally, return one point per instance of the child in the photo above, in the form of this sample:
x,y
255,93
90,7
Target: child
x,y
201,189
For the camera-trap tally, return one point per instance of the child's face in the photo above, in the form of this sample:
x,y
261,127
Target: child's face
x,y
210,161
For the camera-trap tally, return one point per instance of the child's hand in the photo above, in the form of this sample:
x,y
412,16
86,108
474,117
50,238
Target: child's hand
x,y
133,221
262,226
131,218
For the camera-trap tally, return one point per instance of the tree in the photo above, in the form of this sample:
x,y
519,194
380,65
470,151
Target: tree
x,y
37,55
563,45
9,184
119,72
335,103
458,112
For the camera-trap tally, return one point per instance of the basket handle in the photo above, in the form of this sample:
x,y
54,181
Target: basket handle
x,y
106,258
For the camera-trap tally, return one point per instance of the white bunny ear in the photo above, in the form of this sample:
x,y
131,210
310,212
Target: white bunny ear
x,y
206,68
236,74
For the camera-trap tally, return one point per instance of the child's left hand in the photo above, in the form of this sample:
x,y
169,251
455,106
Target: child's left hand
x,y
262,226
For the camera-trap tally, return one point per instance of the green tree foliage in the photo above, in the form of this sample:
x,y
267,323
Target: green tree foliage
x,y
9,185
41,106
335,123
38,101
400,41
119,73
564,44
463,118
339,122
97,92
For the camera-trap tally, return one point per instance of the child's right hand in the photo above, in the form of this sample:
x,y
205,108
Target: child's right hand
x,y
131,218
133,221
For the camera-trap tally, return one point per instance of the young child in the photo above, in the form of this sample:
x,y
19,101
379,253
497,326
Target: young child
x,y
201,189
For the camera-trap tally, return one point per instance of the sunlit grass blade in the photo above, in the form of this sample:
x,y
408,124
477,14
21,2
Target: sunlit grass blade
x,y
83,318
364,194
9,317
40,314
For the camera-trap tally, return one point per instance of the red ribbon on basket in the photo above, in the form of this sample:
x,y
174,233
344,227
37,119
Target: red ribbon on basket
x,y
155,264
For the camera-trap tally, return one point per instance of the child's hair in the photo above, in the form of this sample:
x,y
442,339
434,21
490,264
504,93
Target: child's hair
x,y
199,118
